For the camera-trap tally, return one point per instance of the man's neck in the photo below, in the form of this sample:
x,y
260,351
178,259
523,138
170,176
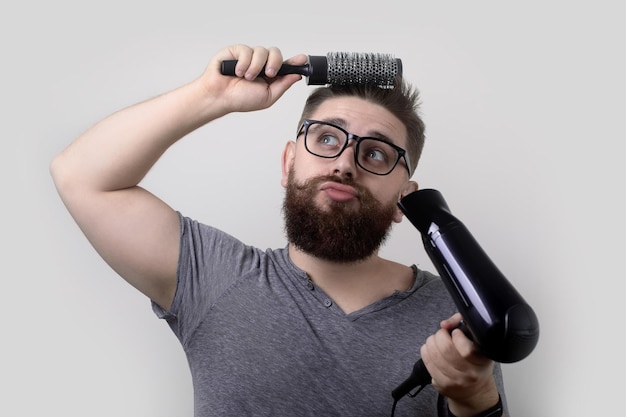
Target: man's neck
x,y
354,285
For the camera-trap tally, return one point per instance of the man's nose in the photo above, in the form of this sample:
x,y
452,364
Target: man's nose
x,y
345,163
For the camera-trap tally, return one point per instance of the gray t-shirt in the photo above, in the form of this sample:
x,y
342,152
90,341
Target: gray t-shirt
x,y
262,340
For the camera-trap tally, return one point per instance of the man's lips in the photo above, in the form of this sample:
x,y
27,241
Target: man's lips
x,y
339,192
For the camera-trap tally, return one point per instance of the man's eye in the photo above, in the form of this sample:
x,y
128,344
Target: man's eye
x,y
376,154
328,140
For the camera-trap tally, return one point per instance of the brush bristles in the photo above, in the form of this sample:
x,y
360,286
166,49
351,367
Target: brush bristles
x,y
363,68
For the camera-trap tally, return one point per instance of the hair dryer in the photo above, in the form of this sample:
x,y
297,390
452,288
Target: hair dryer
x,y
495,316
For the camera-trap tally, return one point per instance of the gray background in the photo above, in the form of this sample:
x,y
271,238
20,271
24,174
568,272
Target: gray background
x,y
524,107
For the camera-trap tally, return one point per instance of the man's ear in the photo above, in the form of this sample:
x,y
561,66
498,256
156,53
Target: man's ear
x,y
410,187
289,154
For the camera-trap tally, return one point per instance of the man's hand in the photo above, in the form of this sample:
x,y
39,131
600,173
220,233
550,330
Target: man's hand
x,y
458,370
249,89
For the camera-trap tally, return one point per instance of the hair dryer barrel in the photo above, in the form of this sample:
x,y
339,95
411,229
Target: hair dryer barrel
x,y
500,322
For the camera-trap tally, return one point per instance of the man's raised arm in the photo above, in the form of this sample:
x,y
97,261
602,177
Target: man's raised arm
x,y
97,175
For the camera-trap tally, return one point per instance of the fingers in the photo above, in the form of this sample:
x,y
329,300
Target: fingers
x,y
452,322
455,365
450,354
253,62
465,347
437,351
273,62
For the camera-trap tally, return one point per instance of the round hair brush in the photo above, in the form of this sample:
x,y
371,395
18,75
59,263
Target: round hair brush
x,y
341,68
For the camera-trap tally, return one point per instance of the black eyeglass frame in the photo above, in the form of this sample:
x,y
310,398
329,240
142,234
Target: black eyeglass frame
x,y
402,154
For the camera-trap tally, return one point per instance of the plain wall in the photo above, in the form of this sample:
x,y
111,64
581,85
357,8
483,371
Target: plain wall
x,y
524,108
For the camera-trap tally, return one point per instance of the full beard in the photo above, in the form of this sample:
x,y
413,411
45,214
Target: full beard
x,y
338,233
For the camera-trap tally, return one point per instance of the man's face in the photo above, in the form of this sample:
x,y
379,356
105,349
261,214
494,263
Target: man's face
x,y
334,209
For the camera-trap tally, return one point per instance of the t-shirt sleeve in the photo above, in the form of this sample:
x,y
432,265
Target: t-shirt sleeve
x,y
210,262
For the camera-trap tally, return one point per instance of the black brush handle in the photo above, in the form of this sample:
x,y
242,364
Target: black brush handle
x,y
228,68
315,70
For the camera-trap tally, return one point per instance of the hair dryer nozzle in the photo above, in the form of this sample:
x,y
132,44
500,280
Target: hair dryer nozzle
x,y
422,207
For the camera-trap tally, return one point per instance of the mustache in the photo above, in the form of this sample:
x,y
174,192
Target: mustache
x,y
316,181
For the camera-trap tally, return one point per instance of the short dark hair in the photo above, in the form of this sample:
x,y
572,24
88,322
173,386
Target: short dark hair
x,y
402,100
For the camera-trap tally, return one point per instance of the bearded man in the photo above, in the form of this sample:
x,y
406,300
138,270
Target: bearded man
x,y
322,326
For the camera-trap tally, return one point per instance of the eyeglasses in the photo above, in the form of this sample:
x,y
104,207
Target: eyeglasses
x,y
374,155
